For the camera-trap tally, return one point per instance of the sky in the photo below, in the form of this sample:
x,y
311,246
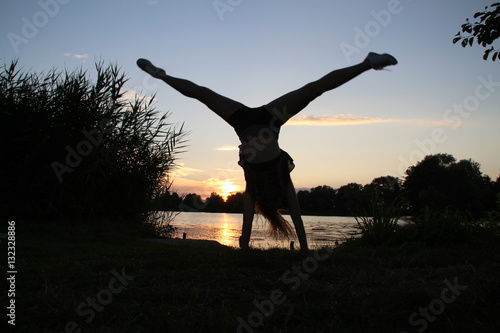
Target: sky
x,y
440,98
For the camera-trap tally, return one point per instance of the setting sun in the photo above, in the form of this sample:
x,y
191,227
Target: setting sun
x,y
227,187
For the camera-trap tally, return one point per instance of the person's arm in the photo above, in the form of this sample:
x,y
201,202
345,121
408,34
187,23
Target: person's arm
x,y
248,214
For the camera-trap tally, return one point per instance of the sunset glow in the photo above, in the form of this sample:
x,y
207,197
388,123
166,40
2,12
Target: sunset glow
x,y
227,187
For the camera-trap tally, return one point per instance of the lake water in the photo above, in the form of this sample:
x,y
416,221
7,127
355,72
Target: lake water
x,y
225,228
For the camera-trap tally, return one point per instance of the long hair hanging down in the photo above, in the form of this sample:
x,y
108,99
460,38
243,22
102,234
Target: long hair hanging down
x,y
269,193
268,183
279,227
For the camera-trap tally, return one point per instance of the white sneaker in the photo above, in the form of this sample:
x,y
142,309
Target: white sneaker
x,y
149,68
379,61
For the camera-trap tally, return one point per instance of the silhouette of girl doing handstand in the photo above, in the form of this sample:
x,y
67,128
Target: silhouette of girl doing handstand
x,y
266,166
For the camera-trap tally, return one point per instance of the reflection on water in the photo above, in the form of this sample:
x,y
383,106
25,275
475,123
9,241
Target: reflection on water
x,y
226,229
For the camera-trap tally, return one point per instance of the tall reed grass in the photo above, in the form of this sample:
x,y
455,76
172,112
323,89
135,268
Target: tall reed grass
x,y
380,221
73,148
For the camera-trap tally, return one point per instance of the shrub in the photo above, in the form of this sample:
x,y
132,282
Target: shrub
x,y
380,223
492,222
77,150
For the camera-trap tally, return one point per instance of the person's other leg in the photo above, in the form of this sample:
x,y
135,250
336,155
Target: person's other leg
x,y
248,215
292,103
219,104
294,210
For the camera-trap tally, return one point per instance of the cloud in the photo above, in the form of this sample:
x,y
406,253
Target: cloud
x,y
80,56
131,95
349,119
183,186
183,171
227,148
76,56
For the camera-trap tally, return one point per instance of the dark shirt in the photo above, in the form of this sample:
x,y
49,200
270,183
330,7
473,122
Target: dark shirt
x,y
254,122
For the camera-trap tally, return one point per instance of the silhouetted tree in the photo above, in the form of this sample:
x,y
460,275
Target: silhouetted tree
x,y
351,200
322,199
438,182
485,31
304,198
318,201
192,203
386,189
167,201
234,203
215,204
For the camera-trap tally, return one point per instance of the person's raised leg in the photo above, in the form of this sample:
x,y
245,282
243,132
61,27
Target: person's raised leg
x,y
292,103
294,210
219,104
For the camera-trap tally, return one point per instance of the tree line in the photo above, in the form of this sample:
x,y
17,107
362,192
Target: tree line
x,y
435,184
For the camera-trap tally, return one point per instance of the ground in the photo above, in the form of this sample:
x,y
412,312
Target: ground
x,y
103,279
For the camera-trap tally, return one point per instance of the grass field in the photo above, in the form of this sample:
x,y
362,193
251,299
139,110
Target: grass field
x,y
99,279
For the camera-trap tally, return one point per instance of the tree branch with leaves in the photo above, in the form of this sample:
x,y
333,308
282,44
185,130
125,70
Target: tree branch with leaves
x,y
485,31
